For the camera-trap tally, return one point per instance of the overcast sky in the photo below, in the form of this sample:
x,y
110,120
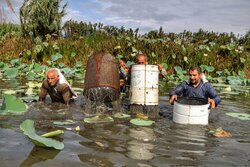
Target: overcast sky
x,y
172,15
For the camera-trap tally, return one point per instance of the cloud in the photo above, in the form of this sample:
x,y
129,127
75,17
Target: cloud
x,y
147,15
6,15
176,15
73,15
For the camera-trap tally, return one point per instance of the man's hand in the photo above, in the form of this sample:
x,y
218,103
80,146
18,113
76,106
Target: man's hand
x,y
172,99
122,82
211,102
159,67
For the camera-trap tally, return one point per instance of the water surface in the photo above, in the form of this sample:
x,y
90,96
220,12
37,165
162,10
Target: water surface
x,y
122,144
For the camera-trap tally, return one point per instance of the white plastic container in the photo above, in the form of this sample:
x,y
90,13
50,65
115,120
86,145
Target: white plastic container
x,y
190,113
144,85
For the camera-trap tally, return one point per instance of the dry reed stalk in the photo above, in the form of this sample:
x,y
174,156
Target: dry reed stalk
x,y
10,6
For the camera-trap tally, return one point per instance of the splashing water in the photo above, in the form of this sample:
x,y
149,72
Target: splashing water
x,y
150,110
101,100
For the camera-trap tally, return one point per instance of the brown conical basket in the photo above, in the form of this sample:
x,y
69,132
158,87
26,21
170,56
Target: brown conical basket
x,y
102,71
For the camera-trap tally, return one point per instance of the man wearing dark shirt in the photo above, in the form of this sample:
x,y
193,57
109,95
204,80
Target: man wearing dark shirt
x,y
196,87
57,87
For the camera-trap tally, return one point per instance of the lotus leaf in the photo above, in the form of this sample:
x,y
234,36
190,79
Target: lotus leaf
x,y
129,63
3,66
29,99
99,119
11,104
56,56
210,68
16,62
178,69
242,116
11,72
66,122
11,92
66,70
53,133
28,129
235,82
164,65
141,122
37,67
121,115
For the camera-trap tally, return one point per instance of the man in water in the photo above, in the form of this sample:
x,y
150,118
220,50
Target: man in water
x,y
196,87
143,59
57,87
123,74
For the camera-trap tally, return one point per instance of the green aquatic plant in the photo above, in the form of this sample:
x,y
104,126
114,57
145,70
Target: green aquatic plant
x,y
121,115
12,105
11,72
241,116
141,122
180,74
66,122
28,129
53,133
99,119
39,18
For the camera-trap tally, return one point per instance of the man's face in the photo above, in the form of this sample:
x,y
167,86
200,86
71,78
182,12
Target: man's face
x,y
52,78
122,64
141,60
194,77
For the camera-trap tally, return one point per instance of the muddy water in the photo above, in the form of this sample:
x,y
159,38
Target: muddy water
x,y
121,144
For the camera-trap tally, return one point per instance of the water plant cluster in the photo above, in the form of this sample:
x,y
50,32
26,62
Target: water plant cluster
x,y
223,57
39,43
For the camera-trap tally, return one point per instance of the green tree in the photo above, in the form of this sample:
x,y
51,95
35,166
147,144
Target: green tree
x,y
41,17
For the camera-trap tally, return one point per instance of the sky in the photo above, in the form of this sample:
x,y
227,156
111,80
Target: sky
x,y
172,15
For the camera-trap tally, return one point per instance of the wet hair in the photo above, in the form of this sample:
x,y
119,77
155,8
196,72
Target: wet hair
x,y
142,55
194,67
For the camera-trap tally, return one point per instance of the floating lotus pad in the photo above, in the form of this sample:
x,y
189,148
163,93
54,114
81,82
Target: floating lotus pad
x,y
29,99
28,129
66,122
242,116
11,72
141,122
99,119
12,104
10,92
121,115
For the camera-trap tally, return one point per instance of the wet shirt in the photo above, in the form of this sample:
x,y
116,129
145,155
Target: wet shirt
x,y
203,90
58,93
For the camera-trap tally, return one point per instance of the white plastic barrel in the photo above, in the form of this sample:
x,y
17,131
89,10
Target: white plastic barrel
x,y
144,84
191,114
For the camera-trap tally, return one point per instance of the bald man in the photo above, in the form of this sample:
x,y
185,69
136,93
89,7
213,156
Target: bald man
x,y
57,87
143,59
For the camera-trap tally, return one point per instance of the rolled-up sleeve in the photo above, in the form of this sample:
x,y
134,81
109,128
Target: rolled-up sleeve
x,y
212,94
43,93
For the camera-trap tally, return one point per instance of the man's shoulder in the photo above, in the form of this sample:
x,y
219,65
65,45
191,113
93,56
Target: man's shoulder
x,y
207,84
45,84
184,83
63,86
